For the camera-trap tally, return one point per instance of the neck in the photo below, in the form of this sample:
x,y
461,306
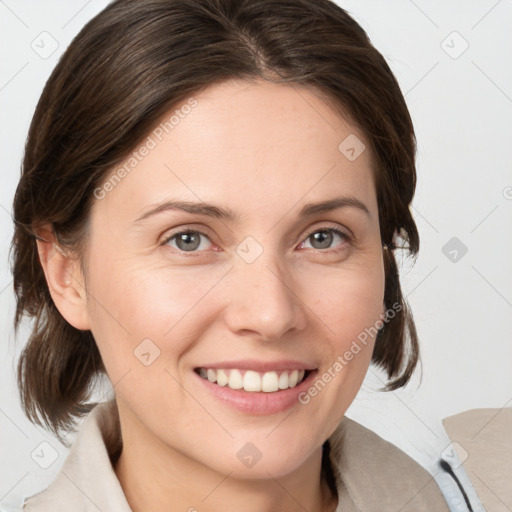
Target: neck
x,y
154,476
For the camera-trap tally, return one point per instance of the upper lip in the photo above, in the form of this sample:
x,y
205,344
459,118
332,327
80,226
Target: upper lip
x,y
260,366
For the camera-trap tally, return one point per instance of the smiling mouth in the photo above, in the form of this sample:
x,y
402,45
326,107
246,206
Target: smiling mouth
x,y
254,382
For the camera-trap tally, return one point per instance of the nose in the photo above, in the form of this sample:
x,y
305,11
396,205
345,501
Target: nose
x,y
263,299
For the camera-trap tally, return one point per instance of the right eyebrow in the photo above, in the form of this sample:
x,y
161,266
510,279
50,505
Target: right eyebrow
x,y
208,210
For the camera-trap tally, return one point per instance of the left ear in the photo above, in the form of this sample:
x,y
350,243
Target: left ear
x,y
64,278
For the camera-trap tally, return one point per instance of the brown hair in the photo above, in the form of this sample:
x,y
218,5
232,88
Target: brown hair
x,y
125,69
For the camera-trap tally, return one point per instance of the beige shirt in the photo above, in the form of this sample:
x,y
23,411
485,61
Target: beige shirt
x,y
482,439
372,475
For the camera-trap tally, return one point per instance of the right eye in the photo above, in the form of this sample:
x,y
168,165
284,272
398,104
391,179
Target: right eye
x,y
187,240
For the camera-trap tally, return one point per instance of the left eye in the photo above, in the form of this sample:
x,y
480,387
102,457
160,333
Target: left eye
x,y
324,237
190,241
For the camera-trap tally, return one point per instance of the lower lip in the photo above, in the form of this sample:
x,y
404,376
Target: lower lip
x,y
258,403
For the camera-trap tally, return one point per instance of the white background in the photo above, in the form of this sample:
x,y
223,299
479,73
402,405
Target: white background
x,y
462,111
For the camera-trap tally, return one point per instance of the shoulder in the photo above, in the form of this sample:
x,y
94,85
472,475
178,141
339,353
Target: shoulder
x,y
379,476
482,439
86,481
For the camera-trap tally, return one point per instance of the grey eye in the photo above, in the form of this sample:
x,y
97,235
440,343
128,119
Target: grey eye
x,y
186,241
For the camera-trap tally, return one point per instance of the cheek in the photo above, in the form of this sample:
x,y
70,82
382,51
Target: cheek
x,y
349,305
131,304
348,302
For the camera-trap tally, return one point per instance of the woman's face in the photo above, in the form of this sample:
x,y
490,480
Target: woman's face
x,y
261,281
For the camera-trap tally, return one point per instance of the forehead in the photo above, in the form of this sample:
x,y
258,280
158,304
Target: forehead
x,y
251,144
259,117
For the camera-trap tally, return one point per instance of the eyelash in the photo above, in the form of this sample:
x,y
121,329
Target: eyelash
x,y
341,234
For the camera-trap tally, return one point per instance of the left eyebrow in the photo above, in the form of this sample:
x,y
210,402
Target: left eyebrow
x,y
333,204
218,212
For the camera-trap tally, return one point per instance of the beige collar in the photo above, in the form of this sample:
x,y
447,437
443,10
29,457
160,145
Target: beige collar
x,y
371,474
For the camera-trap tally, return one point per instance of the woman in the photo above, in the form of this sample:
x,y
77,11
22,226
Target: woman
x,y
273,140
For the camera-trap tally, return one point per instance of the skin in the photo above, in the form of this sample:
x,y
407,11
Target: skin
x,y
263,150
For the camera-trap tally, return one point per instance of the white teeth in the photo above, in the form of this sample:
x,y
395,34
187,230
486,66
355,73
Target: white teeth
x,y
270,382
222,378
252,381
283,380
235,380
